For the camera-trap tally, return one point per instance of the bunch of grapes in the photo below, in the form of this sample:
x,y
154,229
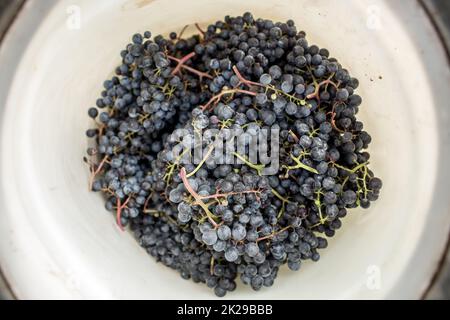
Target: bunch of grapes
x,y
215,221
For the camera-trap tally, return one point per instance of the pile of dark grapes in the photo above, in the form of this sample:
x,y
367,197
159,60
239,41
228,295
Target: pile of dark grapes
x,y
214,223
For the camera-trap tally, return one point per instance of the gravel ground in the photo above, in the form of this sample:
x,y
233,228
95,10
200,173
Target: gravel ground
x,y
440,9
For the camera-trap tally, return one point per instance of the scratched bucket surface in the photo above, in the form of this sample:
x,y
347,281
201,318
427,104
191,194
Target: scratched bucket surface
x,y
57,240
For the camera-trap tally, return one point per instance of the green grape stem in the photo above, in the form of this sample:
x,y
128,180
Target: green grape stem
x,y
283,201
257,167
207,155
248,83
197,198
270,236
299,165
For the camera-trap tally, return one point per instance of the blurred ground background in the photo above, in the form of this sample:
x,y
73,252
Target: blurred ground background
x,y
439,12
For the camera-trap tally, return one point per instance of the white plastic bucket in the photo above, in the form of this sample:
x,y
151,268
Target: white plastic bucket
x,y
58,241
